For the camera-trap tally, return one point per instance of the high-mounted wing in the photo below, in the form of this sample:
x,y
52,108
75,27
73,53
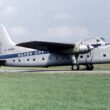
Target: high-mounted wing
x,y
57,47
47,46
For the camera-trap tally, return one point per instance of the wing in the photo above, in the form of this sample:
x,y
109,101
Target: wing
x,y
47,46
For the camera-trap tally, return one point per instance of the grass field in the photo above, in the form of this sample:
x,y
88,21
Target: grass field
x,y
96,67
34,91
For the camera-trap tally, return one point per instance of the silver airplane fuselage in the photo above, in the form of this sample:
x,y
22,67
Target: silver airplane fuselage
x,y
98,55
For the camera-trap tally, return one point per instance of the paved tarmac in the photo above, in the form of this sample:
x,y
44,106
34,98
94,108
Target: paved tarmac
x,y
52,71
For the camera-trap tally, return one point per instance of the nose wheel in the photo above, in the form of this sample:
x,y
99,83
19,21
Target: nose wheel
x,y
75,67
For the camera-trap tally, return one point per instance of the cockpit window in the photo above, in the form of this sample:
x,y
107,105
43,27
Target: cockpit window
x,y
103,39
98,40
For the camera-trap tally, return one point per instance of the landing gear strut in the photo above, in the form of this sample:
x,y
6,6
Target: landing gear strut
x,y
89,67
75,67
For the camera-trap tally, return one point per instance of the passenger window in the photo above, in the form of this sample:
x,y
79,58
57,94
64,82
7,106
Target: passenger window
x,y
13,60
43,58
19,60
34,59
81,56
27,59
104,55
87,56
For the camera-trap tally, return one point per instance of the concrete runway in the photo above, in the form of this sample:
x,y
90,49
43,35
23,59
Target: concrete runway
x,y
52,71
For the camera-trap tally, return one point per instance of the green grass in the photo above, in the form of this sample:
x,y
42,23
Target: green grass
x,y
102,67
96,67
54,91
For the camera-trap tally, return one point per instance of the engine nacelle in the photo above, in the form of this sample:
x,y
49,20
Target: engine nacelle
x,y
82,48
79,49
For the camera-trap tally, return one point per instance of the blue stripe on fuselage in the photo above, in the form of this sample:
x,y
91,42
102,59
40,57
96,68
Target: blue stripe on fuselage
x,y
24,54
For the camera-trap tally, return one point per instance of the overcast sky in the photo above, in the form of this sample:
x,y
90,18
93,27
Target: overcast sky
x,y
55,20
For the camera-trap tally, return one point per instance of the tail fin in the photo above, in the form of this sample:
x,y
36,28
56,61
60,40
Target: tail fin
x,y
5,41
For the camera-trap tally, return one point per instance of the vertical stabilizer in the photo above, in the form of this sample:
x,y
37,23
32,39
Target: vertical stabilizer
x,y
5,41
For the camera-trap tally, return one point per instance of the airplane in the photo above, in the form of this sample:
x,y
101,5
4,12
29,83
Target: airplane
x,y
45,54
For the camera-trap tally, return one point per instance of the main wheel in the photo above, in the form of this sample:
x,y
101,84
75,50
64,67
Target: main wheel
x,y
75,67
89,67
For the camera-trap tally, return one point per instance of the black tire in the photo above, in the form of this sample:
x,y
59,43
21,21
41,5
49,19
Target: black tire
x,y
89,67
75,67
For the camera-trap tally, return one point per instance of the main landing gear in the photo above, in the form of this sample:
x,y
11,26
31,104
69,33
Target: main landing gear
x,y
89,67
76,67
